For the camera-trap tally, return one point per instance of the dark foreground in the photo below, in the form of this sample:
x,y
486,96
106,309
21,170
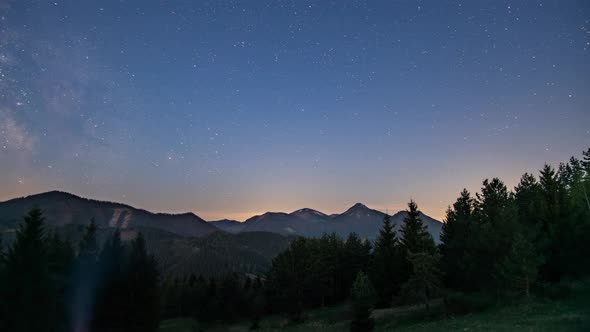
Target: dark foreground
x,y
571,313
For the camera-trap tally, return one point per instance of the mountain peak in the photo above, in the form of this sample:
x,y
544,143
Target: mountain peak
x,y
357,206
308,211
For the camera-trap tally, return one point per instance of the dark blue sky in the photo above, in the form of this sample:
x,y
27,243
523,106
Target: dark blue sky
x,y
230,108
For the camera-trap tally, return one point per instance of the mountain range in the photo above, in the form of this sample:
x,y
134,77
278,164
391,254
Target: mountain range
x,y
185,243
311,223
61,208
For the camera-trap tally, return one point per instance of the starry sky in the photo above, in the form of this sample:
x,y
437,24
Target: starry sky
x,y
233,108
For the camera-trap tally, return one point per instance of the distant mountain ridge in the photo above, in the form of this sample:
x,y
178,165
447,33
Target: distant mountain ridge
x,y
312,223
62,208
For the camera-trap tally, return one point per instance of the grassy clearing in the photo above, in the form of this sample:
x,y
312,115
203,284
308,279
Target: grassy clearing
x,y
570,314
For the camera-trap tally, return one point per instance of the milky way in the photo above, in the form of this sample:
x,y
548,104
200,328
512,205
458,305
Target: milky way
x,y
230,108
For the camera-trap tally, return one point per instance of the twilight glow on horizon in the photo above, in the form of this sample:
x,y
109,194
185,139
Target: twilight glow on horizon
x,y
234,108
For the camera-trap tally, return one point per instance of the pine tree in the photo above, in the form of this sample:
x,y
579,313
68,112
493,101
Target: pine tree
x,y
27,280
142,289
386,264
425,280
529,202
497,221
363,298
327,268
414,234
455,241
518,270
355,258
109,312
575,220
60,257
290,279
554,223
414,239
85,275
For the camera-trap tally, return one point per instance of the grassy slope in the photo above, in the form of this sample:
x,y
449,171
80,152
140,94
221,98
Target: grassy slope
x,y
571,314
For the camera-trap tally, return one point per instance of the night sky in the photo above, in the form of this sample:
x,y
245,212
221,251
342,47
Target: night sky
x,y
233,108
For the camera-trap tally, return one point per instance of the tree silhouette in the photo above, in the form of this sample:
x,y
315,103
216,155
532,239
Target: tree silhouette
x,y
425,280
518,270
363,297
142,289
28,283
386,264
455,241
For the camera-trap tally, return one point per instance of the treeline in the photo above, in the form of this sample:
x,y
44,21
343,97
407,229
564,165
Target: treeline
x,y
320,272
497,244
315,272
230,298
505,241
48,285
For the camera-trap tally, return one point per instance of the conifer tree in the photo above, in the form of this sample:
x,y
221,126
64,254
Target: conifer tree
x,y
425,280
518,270
414,234
110,311
529,202
414,239
85,276
554,223
27,280
142,289
455,241
327,269
363,297
355,258
497,221
289,278
386,264
60,257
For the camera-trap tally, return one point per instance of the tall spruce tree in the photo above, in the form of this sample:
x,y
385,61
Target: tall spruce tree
x,y
457,231
575,219
414,234
355,258
363,299
86,278
109,312
327,268
554,223
497,222
518,270
293,280
424,282
27,280
60,257
142,289
529,203
414,239
386,264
